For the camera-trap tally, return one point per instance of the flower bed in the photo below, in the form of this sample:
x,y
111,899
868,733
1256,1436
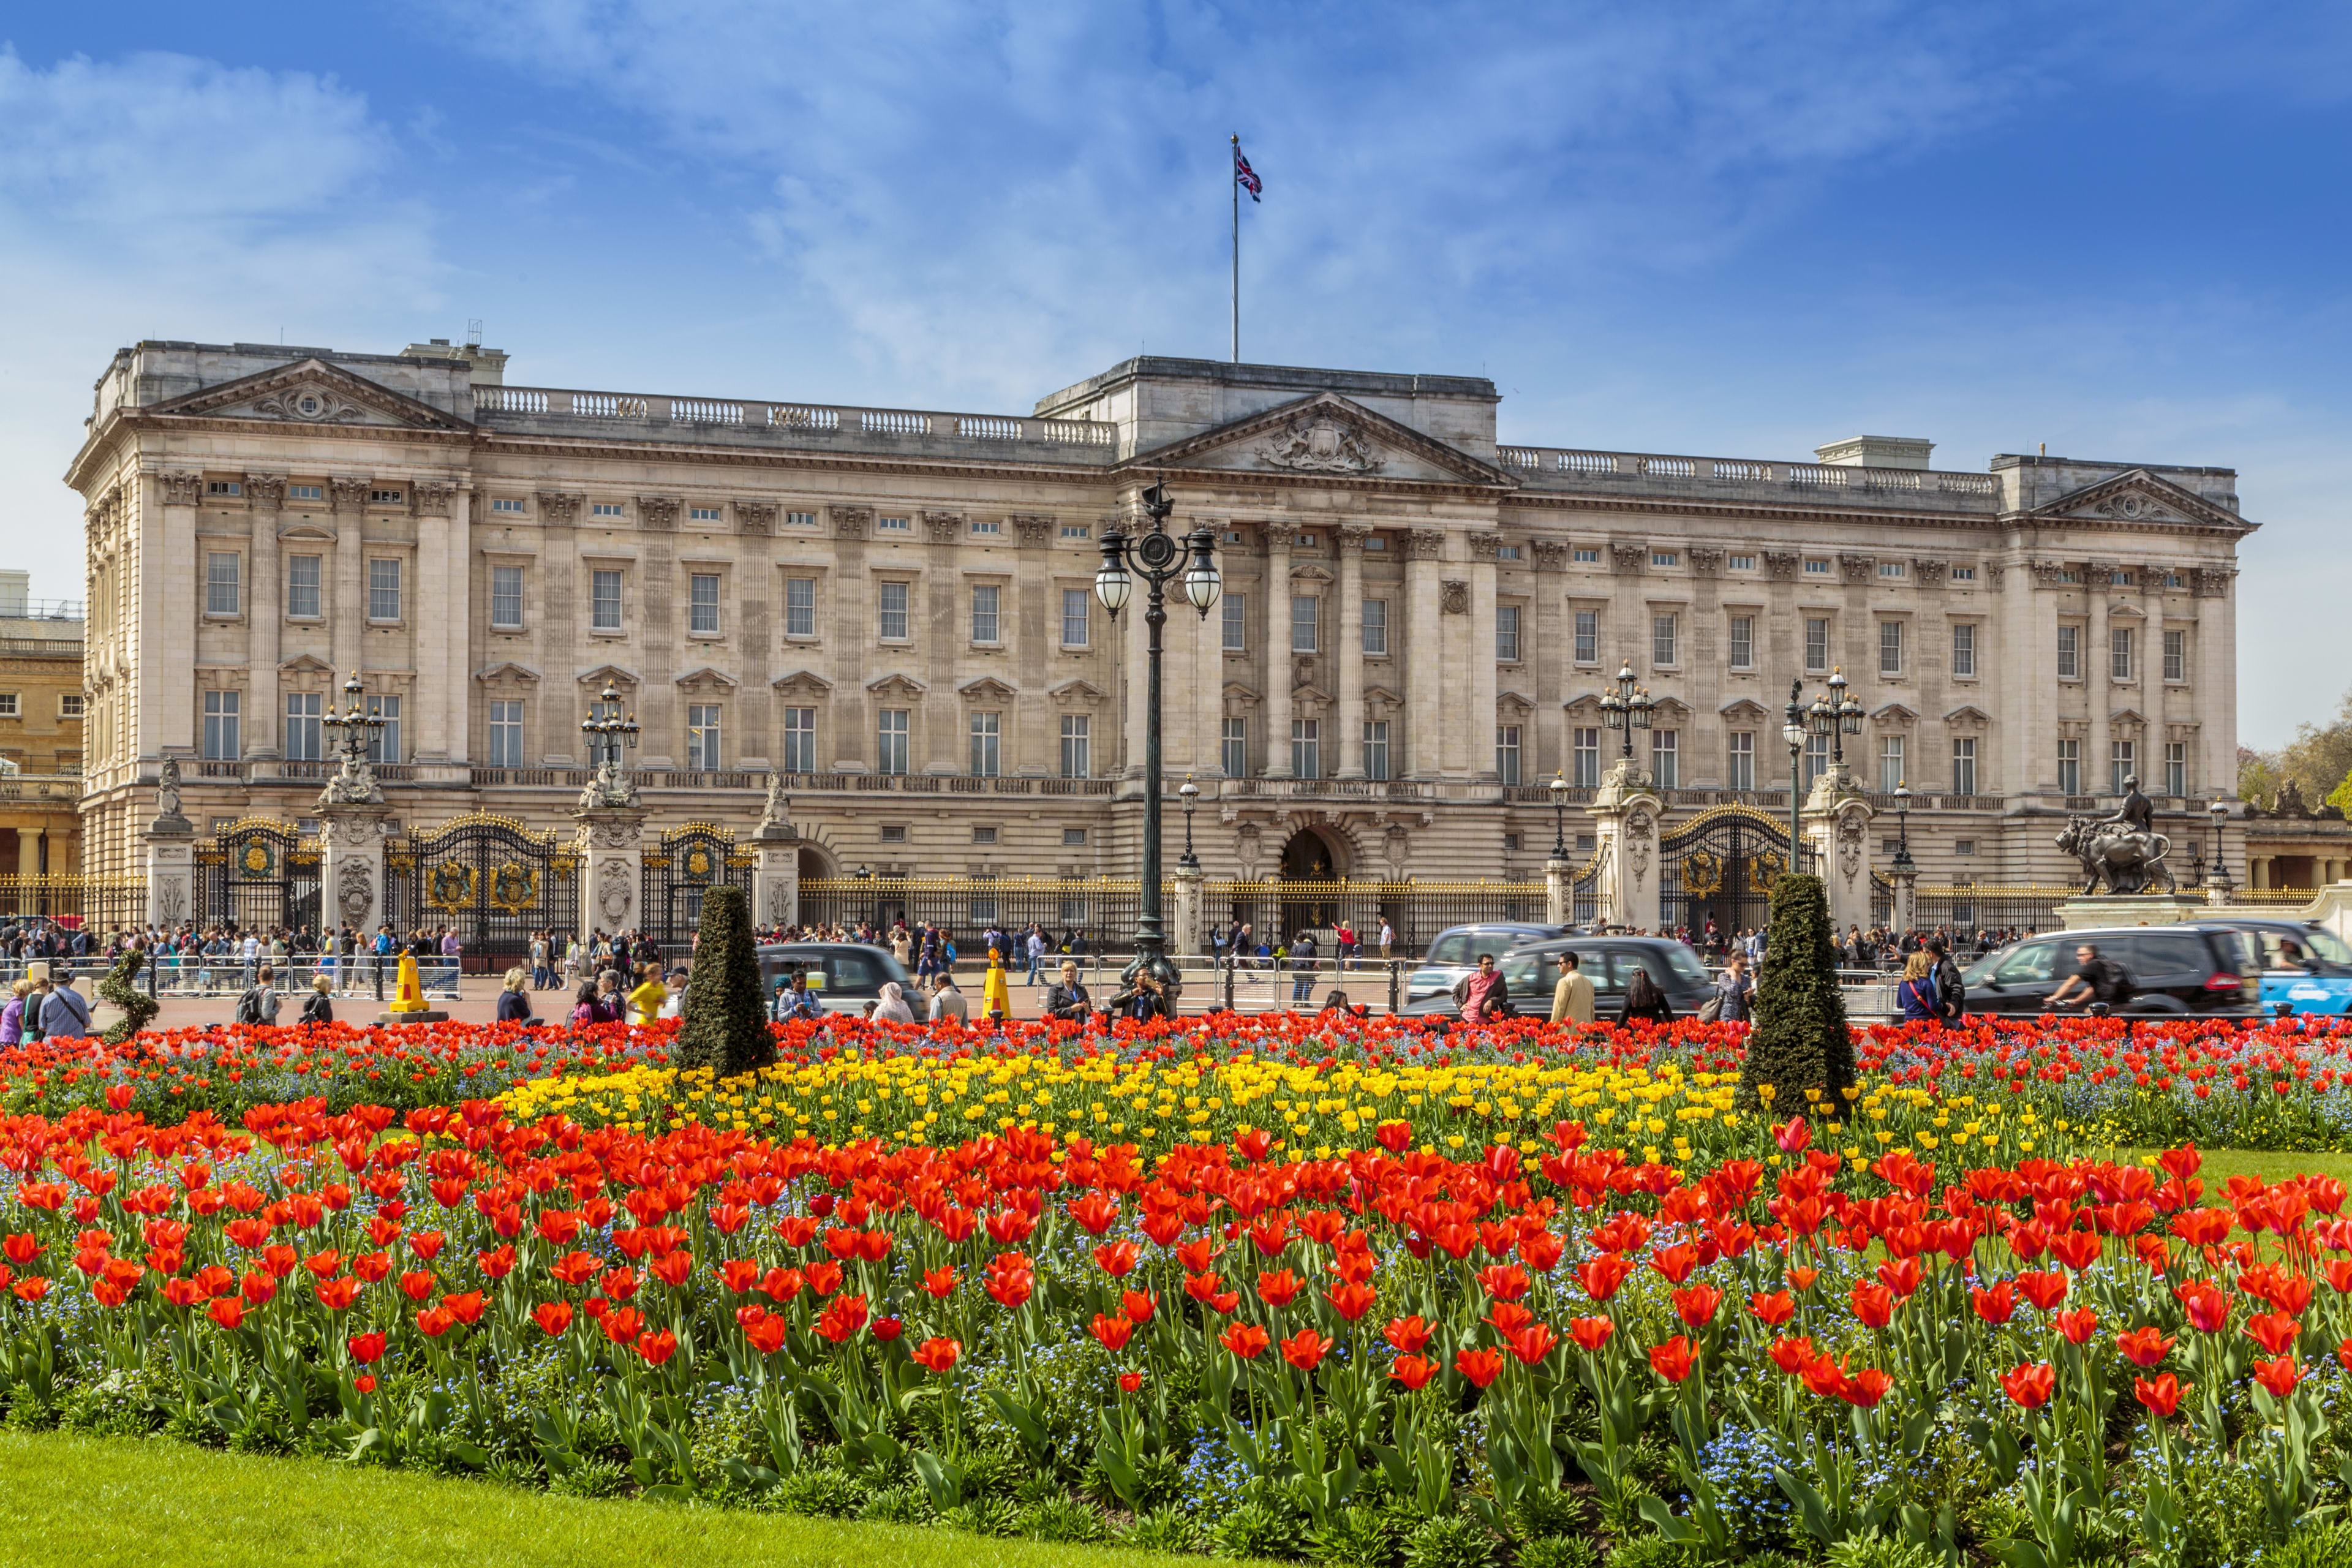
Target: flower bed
x,y
1389,1345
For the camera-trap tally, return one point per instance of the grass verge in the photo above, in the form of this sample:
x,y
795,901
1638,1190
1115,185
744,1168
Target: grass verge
x,y
2271,1166
164,1504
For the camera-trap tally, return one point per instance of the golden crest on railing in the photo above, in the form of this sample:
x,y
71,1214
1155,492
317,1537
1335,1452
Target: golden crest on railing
x,y
450,886
514,887
1703,872
1767,869
257,859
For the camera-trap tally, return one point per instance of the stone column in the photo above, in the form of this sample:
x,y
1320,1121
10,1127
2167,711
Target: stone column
x,y
347,592
776,881
850,650
1185,932
170,600
263,617
611,842
1836,823
440,614
1625,814
351,871
1559,892
1549,654
2099,689
1479,762
1348,656
1424,733
1278,537
171,867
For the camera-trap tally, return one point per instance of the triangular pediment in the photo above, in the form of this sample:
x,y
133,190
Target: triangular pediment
x,y
2131,715
1895,713
505,669
1513,702
312,391
1381,694
704,675
1743,708
1235,691
802,681
986,688
604,674
305,664
1077,691
2139,497
1968,713
1309,693
896,686
1325,438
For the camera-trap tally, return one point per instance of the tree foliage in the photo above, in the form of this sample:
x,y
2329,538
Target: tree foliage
x,y
725,1024
2317,761
1799,1040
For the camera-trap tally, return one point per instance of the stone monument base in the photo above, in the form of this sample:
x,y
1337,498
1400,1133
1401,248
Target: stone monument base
x,y
430,1016
2092,912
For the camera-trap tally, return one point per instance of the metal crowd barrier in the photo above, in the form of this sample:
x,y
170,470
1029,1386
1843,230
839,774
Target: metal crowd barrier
x,y
194,974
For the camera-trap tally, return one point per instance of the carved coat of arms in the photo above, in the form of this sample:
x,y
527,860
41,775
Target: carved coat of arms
x,y
1320,442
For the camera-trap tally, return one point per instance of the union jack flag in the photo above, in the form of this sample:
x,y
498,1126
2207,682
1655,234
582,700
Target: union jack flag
x,y
1244,175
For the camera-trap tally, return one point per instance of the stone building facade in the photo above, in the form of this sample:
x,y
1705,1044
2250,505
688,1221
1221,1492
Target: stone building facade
x,y
894,608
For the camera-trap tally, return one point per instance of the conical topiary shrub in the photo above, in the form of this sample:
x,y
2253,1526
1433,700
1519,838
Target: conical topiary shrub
x,y
1799,1040
725,1025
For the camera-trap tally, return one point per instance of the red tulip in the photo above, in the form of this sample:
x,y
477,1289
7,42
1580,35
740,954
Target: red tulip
x,y
656,1348
2207,1305
1481,1367
1412,1371
2275,1331
766,1336
1671,1361
435,1322
1245,1340
1601,1276
1873,1303
1393,1136
938,1356
939,1282
1591,1333
1111,1333
2161,1396
2078,1325
366,1348
2030,1387
2144,1347
1118,1259
228,1312
1406,1334
1697,1305
2278,1375
1793,1136
1994,1306
467,1308
1305,1349
1866,1388
1137,1305
1280,1288
2045,1287
1533,1343
1129,1382
1774,1310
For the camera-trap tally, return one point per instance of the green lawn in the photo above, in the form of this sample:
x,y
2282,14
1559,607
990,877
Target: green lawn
x,y
2221,1164
89,1501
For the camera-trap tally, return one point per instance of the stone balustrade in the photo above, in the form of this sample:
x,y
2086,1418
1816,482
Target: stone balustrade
x,y
525,406
1560,467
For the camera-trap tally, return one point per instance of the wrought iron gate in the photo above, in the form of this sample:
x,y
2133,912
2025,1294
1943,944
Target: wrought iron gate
x,y
491,879
257,874
692,860
1720,866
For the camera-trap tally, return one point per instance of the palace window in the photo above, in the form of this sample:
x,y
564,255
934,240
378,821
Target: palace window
x,y
799,739
223,742
895,524
987,742
702,602
891,736
1077,530
1506,753
1665,762
1507,632
2175,767
1890,763
1376,626
1073,838
1743,642
1964,765
2070,653
1662,640
894,612
1075,617
1303,614
303,733
1890,648
302,587
224,488
1814,568
1585,555
1585,770
393,498
383,744
984,596
1077,746
894,833
1236,623
2123,760
505,503
506,598
1588,637
2070,767
604,601
1307,748
702,736
2176,656
2120,652
72,705
1666,558
1236,748
800,606
222,596
702,514
1817,646
1891,569
383,590
1964,573
1376,749
1964,650
800,519
1741,768
505,733
1741,563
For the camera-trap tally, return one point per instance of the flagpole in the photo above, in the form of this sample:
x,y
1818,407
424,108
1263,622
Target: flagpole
x,y
1235,182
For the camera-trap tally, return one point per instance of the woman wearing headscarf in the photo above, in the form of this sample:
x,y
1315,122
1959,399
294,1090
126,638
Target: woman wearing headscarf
x,y
996,996
894,1006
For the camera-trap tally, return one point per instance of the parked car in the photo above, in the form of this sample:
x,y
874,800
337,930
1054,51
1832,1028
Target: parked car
x,y
1529,972
844,975
2206,967
1455,953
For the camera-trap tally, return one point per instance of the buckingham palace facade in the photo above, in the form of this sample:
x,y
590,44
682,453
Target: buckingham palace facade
x,y
893,608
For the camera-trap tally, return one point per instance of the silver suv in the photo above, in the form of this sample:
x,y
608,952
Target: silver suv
x,y
1455,953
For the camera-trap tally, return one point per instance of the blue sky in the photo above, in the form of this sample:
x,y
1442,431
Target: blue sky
x,y
1734,230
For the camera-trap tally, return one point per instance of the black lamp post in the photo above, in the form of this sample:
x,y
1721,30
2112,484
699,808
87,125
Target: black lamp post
x,y
2220,813
1847,711
1627,707
1558,787
866,910
1792,730
609,732
355,727
1190,794
1159,559
1902,826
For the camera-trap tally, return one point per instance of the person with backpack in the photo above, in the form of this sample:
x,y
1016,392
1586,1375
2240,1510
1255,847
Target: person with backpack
x,y
2096,979
258,1006
319,1006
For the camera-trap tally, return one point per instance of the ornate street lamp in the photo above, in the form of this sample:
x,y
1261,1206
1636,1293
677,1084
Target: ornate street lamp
x,y
354,728
1190,792
610,734
1902,825
1160,559
1848,709
1792,730
1627,707
1558,787
2220,813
